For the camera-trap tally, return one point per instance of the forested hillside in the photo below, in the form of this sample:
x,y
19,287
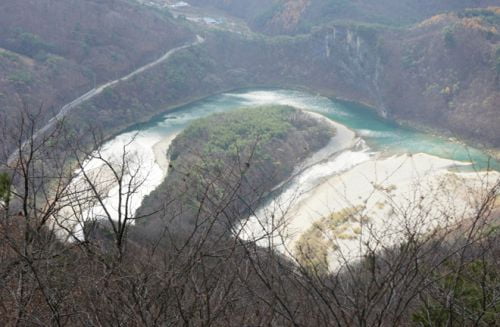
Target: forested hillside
x,y
440,74
284,163
51,52
235,159
299,16
445,73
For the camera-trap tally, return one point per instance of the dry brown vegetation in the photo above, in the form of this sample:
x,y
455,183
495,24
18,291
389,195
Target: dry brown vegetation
x,y
198,275
193,271
55,51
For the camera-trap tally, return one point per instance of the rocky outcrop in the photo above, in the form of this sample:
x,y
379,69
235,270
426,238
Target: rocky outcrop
x,y
408,75
442,73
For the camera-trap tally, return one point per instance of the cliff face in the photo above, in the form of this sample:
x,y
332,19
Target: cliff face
x,y
442,73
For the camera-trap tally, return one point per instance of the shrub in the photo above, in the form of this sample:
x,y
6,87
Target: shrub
x,y
497,59
474,291
4,187
8,55
31,45
21,77
449,37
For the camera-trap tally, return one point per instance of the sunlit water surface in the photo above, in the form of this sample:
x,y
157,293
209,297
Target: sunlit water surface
x,y
378,136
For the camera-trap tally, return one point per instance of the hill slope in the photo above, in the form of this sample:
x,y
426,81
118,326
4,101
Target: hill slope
x,y
226,164
414,74
53,51
293,16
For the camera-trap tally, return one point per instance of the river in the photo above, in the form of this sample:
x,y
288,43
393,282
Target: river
x,y
386,141
380,135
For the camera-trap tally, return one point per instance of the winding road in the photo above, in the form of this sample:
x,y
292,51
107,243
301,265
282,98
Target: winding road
x,y
66,109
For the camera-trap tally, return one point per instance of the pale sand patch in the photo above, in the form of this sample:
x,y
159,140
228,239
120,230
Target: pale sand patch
x,y
337,156
80,204
344,138
405,193
160,151
75,207
360,185
399,194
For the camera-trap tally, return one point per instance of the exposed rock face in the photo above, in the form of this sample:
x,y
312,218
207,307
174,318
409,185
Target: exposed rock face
x,y
409,74
443,72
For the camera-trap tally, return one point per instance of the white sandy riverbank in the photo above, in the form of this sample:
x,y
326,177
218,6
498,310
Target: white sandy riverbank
x,y
397,194
160,152
146,167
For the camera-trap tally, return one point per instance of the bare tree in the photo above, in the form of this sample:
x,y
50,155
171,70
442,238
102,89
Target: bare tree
x,y
194,271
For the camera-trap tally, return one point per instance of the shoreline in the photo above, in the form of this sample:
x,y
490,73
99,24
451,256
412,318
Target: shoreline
x,y
385,189
160,150
70,221
383,185
306,178
344,138
177,106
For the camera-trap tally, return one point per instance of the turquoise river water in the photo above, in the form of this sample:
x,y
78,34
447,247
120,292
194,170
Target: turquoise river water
x,y
381,135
